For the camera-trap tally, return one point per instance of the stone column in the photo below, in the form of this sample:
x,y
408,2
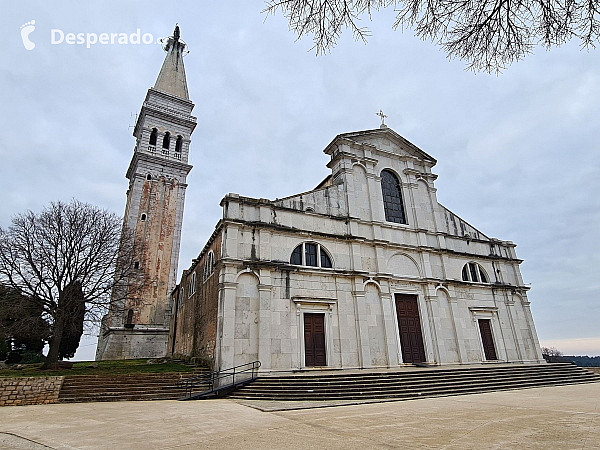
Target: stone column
x,y
264,319
389,324
458,328
433,311
227,335
516,332
360,315
430,352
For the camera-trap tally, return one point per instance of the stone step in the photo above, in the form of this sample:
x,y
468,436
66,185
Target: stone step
x,y
411,383
91,388
402,385
116,398
404,382
404,394
378,388
116,386
430,373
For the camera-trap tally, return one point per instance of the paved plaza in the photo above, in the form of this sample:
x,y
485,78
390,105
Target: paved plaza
x,y
563,417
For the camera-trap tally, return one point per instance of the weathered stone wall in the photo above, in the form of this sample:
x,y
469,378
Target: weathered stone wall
x,y
29,391
195,321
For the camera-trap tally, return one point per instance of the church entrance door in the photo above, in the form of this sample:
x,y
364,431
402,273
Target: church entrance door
x,y
409,324
488,341
314,340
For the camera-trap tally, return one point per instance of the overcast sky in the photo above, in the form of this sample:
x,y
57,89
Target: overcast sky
x,y
517,153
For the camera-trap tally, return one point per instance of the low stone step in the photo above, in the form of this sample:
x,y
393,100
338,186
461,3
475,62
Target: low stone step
x,y
407,387
411,384
402,394
430,374
122,387
267,382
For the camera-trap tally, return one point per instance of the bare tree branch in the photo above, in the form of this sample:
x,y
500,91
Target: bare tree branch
x,y
488,35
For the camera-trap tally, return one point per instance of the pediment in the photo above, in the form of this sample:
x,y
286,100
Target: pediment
x,y
384,140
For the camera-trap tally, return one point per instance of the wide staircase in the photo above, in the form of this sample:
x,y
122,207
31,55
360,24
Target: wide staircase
x,y
111,388
406,384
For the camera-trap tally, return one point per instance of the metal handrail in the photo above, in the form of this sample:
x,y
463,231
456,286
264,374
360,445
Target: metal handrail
x,y
213,378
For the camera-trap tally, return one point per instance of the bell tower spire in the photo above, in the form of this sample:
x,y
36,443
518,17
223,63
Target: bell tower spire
x,y
171,78
138,326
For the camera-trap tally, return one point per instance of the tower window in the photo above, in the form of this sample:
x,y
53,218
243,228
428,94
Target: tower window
x,y
129,319
148,177
153,136
311,254
143,218
167,140
474,272
178,144
392,198
136,265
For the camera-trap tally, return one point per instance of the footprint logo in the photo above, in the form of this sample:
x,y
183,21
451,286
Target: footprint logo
x,y
26,30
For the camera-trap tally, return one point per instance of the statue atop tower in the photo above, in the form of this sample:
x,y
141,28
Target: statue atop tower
x,y
138,326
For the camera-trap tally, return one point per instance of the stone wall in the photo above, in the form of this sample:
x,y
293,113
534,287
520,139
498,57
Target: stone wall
x,y
29,391
194,316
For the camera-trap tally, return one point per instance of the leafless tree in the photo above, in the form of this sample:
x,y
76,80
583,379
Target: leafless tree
x,y
488,34
551,354
43,255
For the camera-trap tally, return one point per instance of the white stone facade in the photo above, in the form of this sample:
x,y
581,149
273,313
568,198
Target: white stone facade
x,y
263,299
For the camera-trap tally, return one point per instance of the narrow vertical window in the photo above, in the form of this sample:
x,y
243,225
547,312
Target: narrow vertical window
x,y
392,198
310,254
153,136
167,140
473,270
465,273
178,144
129,320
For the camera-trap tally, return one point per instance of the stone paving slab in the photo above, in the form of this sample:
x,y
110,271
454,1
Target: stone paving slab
x,y
561,417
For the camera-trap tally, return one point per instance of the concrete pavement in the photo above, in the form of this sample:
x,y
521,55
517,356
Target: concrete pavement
x,y
562,417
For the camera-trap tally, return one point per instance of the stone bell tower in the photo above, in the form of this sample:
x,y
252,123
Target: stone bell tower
x,y
138,327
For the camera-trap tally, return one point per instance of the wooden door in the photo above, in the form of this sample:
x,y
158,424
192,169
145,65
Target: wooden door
x,y
487,340
409,324
314,340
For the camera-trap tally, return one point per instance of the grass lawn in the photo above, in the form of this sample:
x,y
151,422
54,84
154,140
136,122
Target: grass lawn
x,y
104,368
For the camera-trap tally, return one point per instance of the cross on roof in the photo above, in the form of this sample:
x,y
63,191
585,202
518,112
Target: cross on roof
x,y
383,116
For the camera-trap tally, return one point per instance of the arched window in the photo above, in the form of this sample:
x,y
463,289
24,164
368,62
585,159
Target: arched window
x,y
148,177
178,144
167,140
311,254
474,272
153,136
143,217
192,285
392,198
209,265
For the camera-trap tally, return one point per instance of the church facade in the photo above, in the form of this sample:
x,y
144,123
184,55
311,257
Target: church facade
x,y
366,270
